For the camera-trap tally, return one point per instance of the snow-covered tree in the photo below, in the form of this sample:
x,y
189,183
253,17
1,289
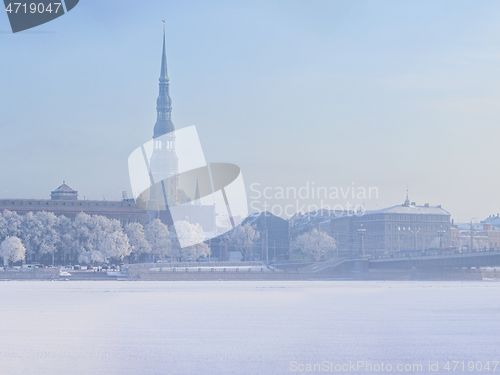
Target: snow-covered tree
x,y
12,250
10,225
315,244
4,227
91,257
190,233
242,238
40,234
137,239
115,245
89,235
158,237
81,235
65,245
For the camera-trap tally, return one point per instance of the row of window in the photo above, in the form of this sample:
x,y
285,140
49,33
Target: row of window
x,y
407,238
410,228
419,217
53,203
128,221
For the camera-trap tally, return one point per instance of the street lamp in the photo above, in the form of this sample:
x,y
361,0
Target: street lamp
x,y
399,246
415,233
441,233
471,235
362,231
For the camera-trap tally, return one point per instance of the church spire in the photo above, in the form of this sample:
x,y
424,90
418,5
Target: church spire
x,y
164,123
407,201
163,72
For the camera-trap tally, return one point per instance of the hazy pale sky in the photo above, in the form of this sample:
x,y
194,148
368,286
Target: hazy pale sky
x,y
377,94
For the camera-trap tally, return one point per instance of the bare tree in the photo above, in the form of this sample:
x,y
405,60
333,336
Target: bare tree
x,y
12,250
315,244
242,237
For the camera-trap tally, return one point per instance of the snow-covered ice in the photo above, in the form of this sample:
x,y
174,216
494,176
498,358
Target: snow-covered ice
x,y
240,327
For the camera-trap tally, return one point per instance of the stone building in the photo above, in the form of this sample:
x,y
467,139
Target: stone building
x,y
402,228
64,201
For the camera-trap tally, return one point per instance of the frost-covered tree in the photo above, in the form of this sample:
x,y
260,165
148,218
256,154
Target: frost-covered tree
x,y
4,225
12,250
115,245
39,233
315,244
243,237
100,227
10,225
158,237
81,235
137,240
89,234
191,233
92,256
65,245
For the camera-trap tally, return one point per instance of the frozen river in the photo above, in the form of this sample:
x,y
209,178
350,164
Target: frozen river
x,y
246,327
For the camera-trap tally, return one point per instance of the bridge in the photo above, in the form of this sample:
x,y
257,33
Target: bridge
x,y
436,260
454,260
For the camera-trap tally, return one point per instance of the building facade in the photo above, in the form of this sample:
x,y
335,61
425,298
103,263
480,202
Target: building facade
x,y
64,201
402,228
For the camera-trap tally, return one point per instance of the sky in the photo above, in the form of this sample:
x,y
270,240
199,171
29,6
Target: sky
x,y
334,94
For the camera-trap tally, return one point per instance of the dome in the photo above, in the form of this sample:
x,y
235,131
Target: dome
x,y
162,127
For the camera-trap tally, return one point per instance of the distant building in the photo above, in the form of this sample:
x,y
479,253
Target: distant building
x,y
274,236
164,161
401,228
164,170
478,236
64,192
493,220
64,201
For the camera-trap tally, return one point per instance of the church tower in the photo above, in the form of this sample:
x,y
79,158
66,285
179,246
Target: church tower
x,y
164,162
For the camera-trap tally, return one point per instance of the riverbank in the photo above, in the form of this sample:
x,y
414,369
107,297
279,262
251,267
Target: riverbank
x,y
245,274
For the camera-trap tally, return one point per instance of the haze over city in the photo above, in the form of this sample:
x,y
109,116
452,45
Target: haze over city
x,y
338,94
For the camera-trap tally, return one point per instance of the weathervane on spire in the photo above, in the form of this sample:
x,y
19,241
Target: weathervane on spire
x,y
407,201
163,25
